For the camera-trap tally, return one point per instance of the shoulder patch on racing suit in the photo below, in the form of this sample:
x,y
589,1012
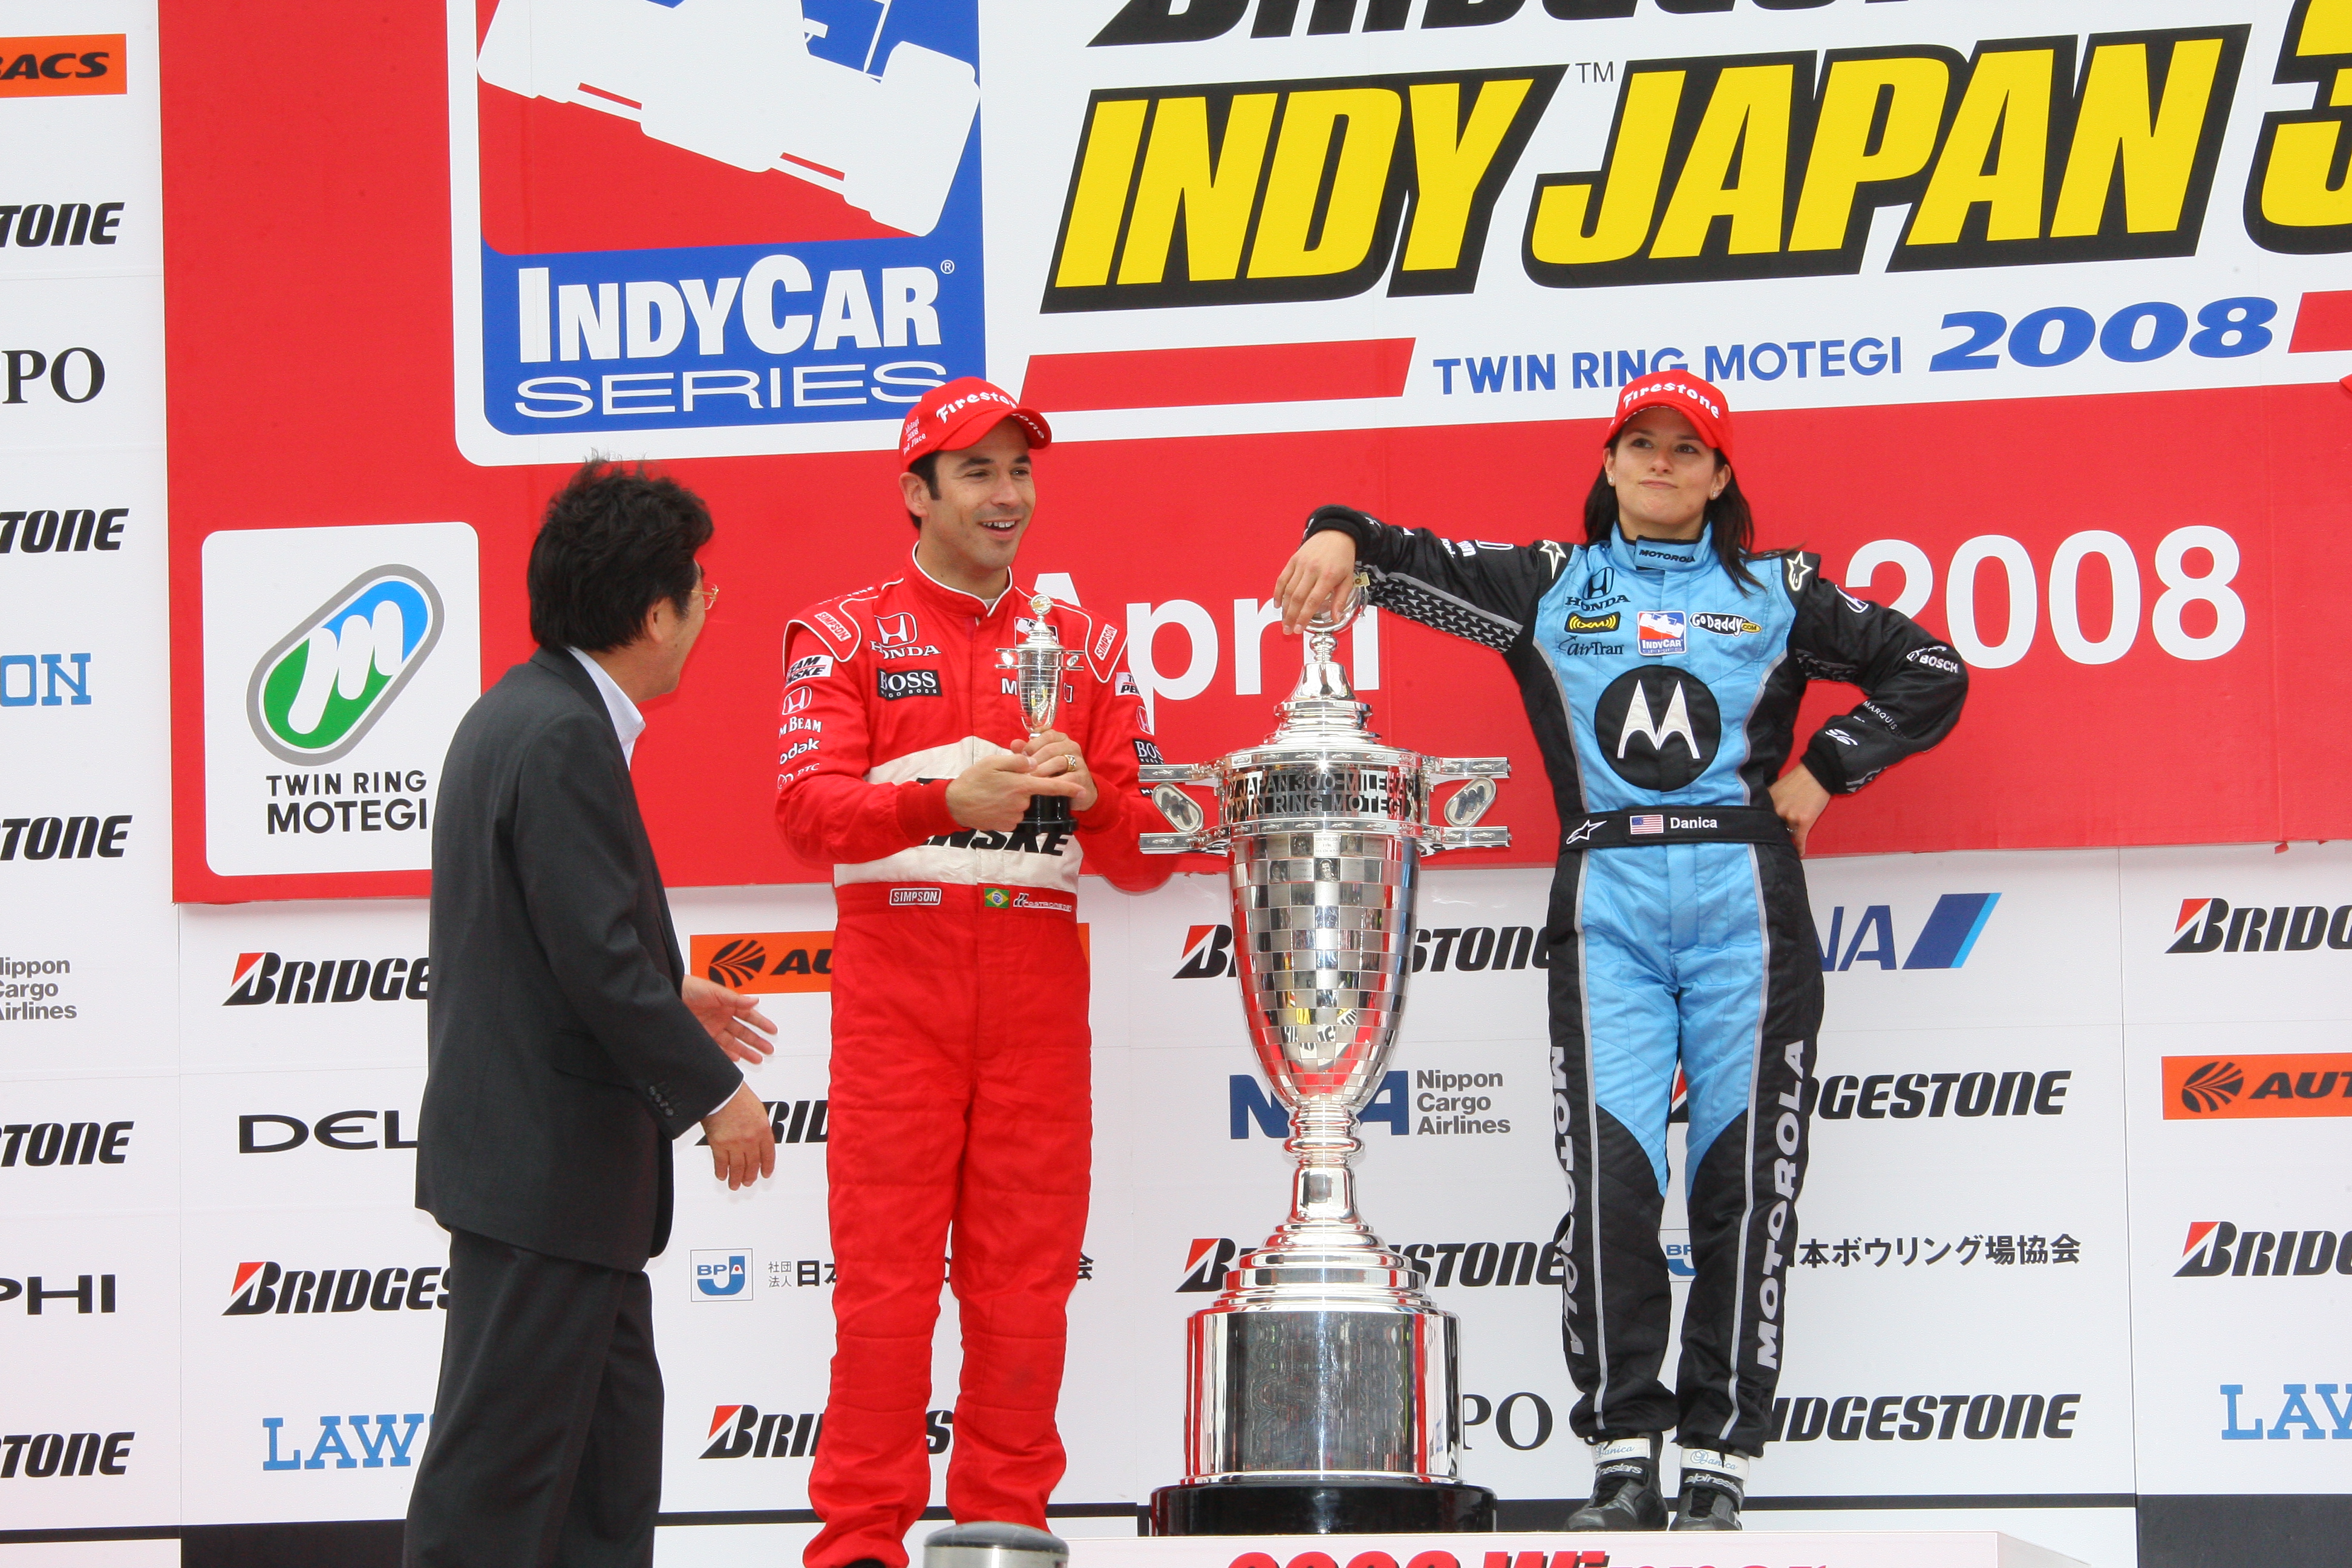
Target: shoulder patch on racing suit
x,y
837,623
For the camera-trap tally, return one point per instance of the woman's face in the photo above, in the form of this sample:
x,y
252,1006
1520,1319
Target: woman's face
x,y
1664,474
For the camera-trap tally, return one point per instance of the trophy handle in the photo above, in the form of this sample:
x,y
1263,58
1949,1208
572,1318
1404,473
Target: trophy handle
x,y
1466,805
1193,831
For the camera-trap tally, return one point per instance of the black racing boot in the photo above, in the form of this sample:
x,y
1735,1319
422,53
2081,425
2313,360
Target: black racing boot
x,y
1715,1483
1624,1487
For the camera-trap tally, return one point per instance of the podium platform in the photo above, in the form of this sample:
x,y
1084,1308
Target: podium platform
x,y
1657,1549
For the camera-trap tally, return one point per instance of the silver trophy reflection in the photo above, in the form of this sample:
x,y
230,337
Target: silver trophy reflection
x,y
1038,663
1322,1397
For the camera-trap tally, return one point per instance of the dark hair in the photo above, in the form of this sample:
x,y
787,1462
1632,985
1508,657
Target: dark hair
x,y
614,541
1727,514
926,468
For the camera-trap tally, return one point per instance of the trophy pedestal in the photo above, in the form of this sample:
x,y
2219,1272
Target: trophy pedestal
x,y
1327,1506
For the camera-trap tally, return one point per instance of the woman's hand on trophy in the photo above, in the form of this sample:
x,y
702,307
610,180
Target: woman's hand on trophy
x,y
1314,577
994,793
1056,756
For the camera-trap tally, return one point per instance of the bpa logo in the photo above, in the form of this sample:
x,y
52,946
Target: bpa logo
x,y
722,1276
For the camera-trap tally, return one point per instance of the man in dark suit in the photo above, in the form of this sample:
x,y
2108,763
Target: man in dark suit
x,y
567,1048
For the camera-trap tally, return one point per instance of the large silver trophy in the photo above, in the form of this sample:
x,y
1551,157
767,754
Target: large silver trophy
x,y
1322,1397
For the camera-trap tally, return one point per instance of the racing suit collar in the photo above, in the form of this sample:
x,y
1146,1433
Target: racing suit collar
x,y
954,601
1662,554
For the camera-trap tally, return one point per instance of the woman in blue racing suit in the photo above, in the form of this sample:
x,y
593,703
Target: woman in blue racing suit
x,y
1661,661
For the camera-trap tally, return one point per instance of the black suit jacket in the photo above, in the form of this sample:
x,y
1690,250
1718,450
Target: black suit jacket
x,y
560,1061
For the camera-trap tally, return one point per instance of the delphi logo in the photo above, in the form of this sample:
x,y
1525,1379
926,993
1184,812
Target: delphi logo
x,y
2218,1087
322,687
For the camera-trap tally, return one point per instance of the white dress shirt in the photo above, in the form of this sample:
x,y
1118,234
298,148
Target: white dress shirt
x,y
628,722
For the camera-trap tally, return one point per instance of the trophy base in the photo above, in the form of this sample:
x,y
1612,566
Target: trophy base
x,y
1337,1506
1047,811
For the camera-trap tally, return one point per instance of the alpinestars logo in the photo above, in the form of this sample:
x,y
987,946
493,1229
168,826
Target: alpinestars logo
x,y
2216,1247
2211,925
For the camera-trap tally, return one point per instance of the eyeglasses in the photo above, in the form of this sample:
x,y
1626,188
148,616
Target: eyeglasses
x,y
710,597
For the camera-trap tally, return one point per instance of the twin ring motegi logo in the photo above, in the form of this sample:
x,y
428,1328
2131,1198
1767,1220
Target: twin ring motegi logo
x,y
322,686
691,283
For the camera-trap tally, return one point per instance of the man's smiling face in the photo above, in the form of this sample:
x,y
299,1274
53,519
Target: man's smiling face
x,y
972,528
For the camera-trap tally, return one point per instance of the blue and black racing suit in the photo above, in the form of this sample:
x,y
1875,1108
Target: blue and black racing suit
x,y
1664,694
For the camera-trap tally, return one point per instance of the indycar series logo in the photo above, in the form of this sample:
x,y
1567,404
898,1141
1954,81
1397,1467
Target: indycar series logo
x,y
745,225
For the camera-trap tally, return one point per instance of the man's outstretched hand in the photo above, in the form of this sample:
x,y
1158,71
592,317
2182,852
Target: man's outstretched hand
x,y
730,1017
742,1143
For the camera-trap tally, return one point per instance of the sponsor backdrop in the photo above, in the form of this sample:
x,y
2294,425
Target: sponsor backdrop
x,y
2035,327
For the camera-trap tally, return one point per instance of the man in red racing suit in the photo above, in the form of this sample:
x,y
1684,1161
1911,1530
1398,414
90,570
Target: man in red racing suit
x,y
959,1091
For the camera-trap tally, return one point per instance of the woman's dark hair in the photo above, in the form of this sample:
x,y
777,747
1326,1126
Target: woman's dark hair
x,y
614,541
1727,514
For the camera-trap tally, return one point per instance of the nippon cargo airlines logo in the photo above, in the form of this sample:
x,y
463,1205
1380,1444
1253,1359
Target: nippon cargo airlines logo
x,y
696,215
323,685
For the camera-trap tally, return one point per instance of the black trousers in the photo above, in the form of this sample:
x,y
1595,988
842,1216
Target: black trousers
x,y
546,1442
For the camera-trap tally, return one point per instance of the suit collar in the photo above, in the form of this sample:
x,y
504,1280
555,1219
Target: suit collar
x,y
566,668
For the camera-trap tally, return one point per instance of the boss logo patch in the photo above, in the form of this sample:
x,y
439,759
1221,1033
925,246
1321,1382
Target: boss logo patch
x,y
892,684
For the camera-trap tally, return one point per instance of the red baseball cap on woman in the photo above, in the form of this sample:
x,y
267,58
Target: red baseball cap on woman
x,y
966,409
1696,401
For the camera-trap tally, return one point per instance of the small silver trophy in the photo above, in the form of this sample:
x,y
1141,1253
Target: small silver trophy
x,y
1038,663
1322,1395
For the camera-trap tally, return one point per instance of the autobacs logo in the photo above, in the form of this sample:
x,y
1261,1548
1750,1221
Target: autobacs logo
x,y
263,978
765,962
2212,1088
2214,925
2216,1247
322,686
263,1288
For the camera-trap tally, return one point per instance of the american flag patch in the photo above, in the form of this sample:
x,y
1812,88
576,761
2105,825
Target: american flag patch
x,y
1639,825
